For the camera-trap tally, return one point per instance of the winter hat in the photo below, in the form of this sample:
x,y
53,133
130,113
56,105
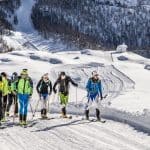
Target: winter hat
x,y
24,72
4,74
62,73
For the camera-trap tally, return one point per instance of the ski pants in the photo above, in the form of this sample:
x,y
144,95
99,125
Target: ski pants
x,y
63,99
93,102
4,104
1,107
12,98
44,99
23,101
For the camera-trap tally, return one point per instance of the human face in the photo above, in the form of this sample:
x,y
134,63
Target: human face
x,y
63,77
45,78
24,76
96,76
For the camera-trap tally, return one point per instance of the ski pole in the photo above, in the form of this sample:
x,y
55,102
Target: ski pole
x,y
76,97
76,101
15,102
51,102
36,107
48,104
31,110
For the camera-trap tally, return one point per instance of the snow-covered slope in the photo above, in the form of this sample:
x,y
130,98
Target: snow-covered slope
x,y
23,14
127,101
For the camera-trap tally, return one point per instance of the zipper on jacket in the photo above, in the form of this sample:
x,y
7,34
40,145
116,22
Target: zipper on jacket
x,y
24,86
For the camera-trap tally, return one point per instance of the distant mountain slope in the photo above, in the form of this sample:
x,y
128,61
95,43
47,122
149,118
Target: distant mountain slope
x,y
108,22
7,13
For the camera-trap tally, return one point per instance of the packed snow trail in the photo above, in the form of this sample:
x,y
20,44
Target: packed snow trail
x,y
75,134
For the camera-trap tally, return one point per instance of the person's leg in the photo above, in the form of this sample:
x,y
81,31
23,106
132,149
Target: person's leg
x,y
26,102
87,107
87,114
1,108
42,105
63,102
16,104
4,105
45,105
97,106
10,101
20,98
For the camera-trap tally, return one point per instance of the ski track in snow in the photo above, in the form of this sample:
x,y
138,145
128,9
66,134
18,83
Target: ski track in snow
x,y
74,134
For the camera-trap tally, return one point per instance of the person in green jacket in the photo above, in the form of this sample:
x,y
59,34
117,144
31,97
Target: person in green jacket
x,y
6,91
24,90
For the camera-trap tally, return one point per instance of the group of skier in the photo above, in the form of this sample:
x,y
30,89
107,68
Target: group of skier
x,y
14,90
19,89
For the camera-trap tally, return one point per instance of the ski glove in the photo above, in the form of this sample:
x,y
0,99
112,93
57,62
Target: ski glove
x,y
76,85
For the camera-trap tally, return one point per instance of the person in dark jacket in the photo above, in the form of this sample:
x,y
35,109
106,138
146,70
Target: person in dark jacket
x,y
44,89
12,96
94,90
63,82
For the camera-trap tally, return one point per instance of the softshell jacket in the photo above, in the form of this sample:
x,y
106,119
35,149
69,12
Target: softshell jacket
x,y
6,86
64,85
94,87
25,86
42,87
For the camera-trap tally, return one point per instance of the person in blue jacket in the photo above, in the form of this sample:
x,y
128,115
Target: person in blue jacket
x,y
94,90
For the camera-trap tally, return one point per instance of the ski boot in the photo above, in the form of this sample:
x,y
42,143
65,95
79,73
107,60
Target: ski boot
x,y
98,115
64,113
7,114
3,119
44,114
24,122
20,119
87,114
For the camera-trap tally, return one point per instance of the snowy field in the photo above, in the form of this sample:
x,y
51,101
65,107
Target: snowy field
x,y
126,107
